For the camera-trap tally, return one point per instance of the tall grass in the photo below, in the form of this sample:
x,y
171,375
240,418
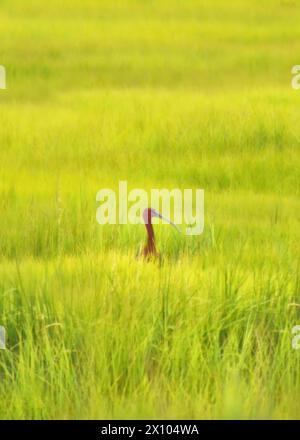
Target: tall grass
x,y
184,94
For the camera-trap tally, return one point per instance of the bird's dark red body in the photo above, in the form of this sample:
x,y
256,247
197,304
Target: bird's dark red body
x,y
149,250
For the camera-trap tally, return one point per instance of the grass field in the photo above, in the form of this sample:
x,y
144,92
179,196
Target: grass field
x,y
188,94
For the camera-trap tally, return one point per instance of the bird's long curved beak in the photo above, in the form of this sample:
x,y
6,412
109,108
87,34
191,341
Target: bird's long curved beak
x,y
167,220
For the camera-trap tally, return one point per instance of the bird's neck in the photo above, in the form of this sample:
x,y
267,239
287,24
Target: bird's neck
x,y
150,232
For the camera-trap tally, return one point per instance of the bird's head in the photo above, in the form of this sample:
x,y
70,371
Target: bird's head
x,y
150,212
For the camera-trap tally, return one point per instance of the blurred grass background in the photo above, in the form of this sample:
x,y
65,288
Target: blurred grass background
x,y
162,94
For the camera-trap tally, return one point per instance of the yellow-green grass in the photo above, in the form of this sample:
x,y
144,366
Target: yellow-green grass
x,y
183,94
